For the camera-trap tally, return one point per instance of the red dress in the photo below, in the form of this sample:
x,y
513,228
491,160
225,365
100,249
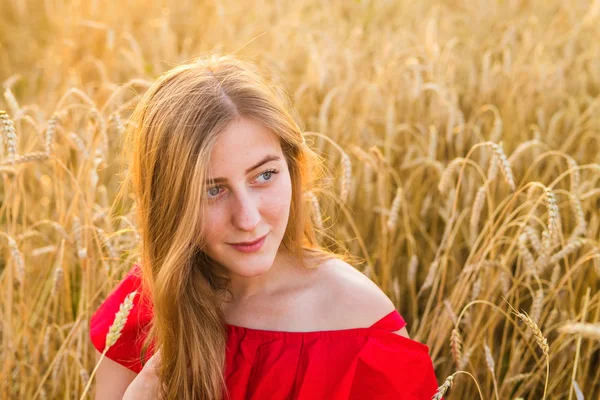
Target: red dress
x,y
358,363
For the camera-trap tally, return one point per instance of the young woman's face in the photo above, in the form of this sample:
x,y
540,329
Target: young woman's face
x,y
251,201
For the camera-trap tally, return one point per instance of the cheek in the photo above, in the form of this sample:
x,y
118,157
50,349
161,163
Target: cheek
x,y
215,221
277,203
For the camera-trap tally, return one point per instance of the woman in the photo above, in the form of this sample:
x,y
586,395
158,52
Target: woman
x,y
235,292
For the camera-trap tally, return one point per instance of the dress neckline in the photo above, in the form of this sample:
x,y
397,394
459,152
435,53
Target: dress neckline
x,y
246,331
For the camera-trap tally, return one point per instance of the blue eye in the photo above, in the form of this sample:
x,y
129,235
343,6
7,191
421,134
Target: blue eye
x,y
215,191
268,174
212,193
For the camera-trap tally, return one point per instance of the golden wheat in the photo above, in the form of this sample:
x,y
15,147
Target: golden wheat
x,y
431,119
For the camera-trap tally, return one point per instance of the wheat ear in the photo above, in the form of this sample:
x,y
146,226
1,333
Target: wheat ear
x,y
504,165
346,177
7,126
114,333
441,391
591,331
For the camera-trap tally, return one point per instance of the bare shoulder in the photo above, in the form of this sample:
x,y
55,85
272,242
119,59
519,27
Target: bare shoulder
x,y
348,298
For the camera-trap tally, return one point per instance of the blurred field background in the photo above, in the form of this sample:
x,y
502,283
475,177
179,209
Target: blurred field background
x,y
463,139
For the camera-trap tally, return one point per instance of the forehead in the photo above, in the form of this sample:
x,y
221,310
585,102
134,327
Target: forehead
x,y
242,144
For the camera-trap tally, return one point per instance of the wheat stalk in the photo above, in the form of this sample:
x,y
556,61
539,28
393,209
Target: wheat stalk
x,y
456,346
518,377
492,172
46,344
575,175
25,158
106,242
526,255
550,319
555,275
581,226
451,312
441,391
522,147
80,145
596,261
572,246
553,215
8,128
536,306
590,331
534,239
17,258
12,101
445,179
504,165
425,206
411,275
76,227
476,290
316,210
114,333
541,341
115,119
433,267
395,210
346,177
504,282
489,361
476,213
58,279
50,131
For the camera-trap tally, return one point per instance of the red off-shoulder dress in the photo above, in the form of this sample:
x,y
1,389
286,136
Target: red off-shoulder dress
x,y
359,363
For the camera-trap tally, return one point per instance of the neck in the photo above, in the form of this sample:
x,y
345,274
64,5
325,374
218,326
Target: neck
x,y
243,287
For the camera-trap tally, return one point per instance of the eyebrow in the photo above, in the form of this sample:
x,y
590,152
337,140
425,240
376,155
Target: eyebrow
x,y
266,159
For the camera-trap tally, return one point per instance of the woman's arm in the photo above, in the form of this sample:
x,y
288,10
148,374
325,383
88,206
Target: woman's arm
x,y
112,379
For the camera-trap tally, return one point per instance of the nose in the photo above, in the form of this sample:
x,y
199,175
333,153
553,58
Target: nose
x,y
246,214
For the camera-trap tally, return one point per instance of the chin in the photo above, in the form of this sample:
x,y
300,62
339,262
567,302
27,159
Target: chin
x,y
248,271
250,266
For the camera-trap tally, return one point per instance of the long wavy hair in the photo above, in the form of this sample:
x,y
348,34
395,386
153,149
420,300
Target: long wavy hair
x,y
169,139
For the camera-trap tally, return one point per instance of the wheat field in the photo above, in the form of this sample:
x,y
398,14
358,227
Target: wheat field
x,y
462,140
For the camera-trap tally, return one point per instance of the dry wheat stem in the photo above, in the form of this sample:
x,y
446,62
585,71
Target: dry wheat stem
x,y
316,210
492,172
504,165
541,341
395,210
411,275
528,260
489,360
441,391
446,177
114,332
456,346
50,132
590,331
571,247
10,136
553,215
534,239
476,213
17,257
346,177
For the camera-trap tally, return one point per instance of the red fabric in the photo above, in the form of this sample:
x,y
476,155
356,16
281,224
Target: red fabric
x,y
359,363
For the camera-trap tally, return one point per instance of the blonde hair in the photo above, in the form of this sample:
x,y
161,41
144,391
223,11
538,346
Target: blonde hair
x,y
170,136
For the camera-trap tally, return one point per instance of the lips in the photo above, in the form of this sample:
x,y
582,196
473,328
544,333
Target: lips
x,y
248,243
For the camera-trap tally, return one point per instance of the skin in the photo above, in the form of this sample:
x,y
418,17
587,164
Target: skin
x,y
247,206
271,291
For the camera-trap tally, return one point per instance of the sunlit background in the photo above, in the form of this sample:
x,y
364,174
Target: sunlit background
x,y
462,139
